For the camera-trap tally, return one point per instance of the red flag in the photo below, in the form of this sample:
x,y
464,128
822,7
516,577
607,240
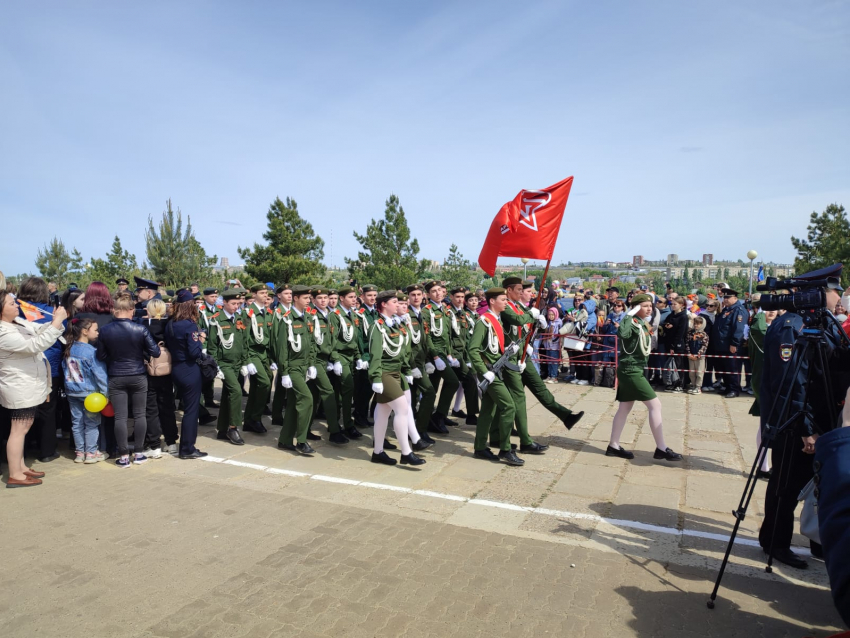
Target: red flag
x,y
31,312
527,226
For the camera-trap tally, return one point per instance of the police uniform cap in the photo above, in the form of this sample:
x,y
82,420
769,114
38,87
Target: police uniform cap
x,y
345,290
184,295
527,284
297,291
639,299
386,294
171,292
458,289
258,287
281,288
430,284
210,291
413,287
491,293
320,291
831,273
233,293
121,280
728,292
369,288
148,284
510,281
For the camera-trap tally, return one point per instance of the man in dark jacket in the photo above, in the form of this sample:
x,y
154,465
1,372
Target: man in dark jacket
x,y
726,336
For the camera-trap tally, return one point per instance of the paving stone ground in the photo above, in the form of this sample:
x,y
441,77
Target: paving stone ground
x,y
179,548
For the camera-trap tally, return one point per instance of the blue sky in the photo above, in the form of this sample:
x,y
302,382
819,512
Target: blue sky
x,y
689,127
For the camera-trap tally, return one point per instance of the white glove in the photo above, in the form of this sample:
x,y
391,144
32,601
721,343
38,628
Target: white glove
x,y
358,365
252,369
285,381
416,373
633,311
522,367
439,364
404,318
468,365
409,379
219,374
311,373
378,388
534,313
530,350
244,371
490,376
273,367
542,321
329,367
454,362
337,369
204,350
429,368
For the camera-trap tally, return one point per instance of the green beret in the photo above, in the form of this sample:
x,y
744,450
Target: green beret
x,y
210,291
258,287
386,294
319,291
494,292
369,288
345,290
281,288
458,289
510,281
233,293
301,290
639,299
413,287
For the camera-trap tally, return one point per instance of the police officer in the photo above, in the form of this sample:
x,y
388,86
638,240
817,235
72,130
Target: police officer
x,y
123,284
146,290
185,343
726,337
791,454
228,346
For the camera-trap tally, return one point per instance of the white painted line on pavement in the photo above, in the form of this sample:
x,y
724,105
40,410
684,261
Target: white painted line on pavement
x,y
333,479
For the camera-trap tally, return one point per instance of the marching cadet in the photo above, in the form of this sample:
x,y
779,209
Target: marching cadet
x,y
362,392
347,344
461,331
471,302
260,327
228,345
327,360
333,299
445,363
403,320
727,335
123,285
486,347
207,310
283,293
422,354
295,355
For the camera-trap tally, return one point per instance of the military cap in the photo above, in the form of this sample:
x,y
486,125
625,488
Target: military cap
x,y
470,294
831,273
345,290
492,293
210,291
121,280
167,299
249,295
72,286
386,294
320,291
458,289
413,287
233,293
258,287
511,281
401,296
145,284
332,291
728,292
369,288
297,291
171,292
639,299
184,295
430,284
527,284
281,288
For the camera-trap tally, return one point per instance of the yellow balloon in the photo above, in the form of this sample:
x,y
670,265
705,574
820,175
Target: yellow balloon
x,y
95,402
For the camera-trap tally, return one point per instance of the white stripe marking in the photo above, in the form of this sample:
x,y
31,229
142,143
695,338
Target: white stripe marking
x,y
252,466
504,506
333,479
274,470
448,497
383,486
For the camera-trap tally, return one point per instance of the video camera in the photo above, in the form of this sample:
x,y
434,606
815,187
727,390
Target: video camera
x,y
809,296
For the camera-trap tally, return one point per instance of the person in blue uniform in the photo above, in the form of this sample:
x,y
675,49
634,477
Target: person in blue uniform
x,y
145,291
793,449
727,336
185,343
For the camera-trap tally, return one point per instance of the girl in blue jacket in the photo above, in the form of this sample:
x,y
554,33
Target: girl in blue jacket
x,y
84,373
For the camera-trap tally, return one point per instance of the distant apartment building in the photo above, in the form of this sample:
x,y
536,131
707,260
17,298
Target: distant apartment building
x,y
672,259
637,261
707,259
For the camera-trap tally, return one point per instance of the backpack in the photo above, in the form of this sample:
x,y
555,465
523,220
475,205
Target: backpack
x,y
159,366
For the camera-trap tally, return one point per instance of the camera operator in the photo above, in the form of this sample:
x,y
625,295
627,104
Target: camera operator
x,y
791,456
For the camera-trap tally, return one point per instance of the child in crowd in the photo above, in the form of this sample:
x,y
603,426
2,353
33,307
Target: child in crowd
x,y
84,374
552,344
697,345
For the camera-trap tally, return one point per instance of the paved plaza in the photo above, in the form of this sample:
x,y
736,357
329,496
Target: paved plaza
x,y
257,542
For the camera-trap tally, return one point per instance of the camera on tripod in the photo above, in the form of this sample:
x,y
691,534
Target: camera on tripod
x,y
809,300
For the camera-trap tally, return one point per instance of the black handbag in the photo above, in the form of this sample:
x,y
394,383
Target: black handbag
x,y
208,366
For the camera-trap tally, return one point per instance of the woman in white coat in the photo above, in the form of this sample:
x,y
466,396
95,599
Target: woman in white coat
x,y
24,379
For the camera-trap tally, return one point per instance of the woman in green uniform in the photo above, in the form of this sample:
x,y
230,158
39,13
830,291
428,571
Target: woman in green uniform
x,y
389,367
635,346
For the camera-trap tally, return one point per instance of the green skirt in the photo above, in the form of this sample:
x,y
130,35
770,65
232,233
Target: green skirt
x,y
633,386
394,387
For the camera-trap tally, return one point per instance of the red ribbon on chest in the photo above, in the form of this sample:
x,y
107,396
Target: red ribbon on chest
x,y
497,328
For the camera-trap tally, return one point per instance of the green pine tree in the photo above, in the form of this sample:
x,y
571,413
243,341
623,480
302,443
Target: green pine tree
x,y
826,243
54,262
174,254
458,271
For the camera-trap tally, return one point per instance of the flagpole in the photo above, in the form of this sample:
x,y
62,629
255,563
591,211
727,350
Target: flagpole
x,y
532,333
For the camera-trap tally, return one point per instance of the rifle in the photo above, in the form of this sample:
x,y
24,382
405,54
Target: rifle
x,y
497,367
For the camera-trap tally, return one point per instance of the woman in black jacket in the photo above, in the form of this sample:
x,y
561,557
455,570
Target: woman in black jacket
x,y
160,404
124,346
675,341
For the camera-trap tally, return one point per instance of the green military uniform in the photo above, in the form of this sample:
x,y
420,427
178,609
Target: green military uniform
x,y
346,327
207,311
295,353
635,344
461,330
756,351
279,399
485,347
324,337
228,345
260,327
362,386
389,361
514,319
422,353
439,328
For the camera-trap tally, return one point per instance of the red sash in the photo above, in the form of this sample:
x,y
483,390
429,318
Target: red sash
x,y
497,327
